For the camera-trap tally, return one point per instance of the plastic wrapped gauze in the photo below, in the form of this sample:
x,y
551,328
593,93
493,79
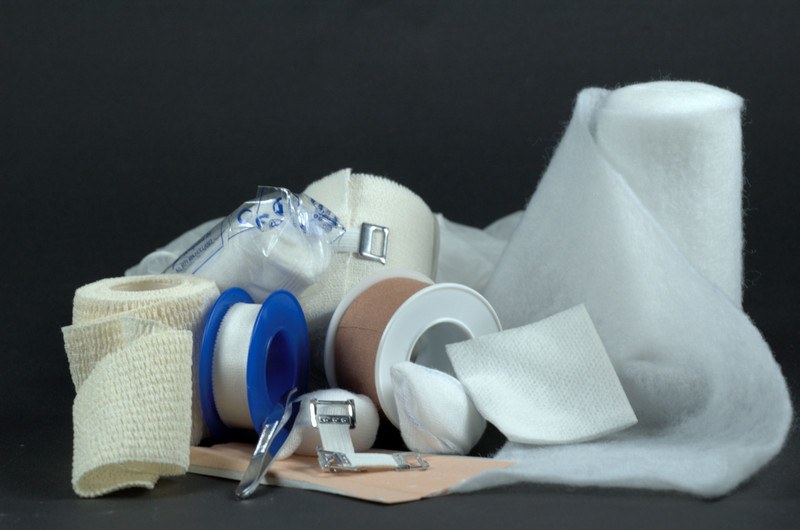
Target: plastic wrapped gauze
x,y
278,241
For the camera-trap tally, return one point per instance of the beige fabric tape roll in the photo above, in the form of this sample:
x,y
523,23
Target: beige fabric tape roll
x,y
395,316
357,199
132,349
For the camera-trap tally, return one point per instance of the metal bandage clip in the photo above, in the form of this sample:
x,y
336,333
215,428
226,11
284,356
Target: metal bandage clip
x,y
365,243
334,419
371,243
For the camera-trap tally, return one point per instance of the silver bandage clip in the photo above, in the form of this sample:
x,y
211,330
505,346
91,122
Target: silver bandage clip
x,y
371,243
334,419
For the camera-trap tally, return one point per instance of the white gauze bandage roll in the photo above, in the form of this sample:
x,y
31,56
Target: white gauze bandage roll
x,y
135,337
679,145
356,199
603,230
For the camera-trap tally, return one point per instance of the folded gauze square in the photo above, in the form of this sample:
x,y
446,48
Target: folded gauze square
x,y
549,382
638,217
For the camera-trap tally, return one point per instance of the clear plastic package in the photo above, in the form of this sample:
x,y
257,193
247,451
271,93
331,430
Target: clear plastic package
x,y
277,241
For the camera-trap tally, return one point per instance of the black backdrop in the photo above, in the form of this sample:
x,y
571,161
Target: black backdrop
x,y
122,125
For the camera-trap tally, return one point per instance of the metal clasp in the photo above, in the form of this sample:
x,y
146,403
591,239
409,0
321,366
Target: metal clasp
x,y
365,244
320,417
410,460
334,461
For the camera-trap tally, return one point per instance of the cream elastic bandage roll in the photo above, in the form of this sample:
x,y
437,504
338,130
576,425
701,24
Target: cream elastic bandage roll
x,y
375,203
398,316
130,350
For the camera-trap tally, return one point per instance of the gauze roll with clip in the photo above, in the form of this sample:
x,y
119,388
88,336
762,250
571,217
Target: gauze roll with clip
x,y
388,227
304,438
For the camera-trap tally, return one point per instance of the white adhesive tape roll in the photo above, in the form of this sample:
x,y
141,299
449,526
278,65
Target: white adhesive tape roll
x,y
252,357
230,365
397,316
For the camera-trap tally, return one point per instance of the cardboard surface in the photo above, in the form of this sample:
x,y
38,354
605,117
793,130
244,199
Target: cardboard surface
x,y
386,487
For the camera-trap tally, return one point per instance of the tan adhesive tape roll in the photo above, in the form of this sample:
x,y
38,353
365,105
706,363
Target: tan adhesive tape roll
x,y
396,316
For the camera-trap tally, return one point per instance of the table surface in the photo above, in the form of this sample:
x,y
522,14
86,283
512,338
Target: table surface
x,y
123,125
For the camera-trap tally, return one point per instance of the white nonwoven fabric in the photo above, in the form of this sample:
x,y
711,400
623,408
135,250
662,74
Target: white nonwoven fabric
x,y
436,414
483,247
712,404
548,382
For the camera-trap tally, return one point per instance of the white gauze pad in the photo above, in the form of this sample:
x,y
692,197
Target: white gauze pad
x,y
545,383
712,404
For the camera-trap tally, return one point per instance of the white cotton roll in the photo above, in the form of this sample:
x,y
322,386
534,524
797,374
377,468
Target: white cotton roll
x,y
712,404
679,146
435,413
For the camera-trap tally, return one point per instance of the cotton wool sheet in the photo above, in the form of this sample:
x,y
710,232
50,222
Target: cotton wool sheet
x,y
638,217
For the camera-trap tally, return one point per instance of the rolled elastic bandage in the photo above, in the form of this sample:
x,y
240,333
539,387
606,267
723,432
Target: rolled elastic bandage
x,y
366,205
130,351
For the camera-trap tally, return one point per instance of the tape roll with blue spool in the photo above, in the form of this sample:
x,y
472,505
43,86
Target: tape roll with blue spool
x,y
251,358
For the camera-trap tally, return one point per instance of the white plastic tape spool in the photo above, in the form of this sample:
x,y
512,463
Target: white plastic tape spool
x,y
396,316
252,357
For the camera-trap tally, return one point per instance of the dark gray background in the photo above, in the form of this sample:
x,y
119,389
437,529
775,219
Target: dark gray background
x,y
122,125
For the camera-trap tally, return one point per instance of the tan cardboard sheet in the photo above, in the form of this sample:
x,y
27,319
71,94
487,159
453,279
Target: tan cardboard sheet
x,y
387,487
